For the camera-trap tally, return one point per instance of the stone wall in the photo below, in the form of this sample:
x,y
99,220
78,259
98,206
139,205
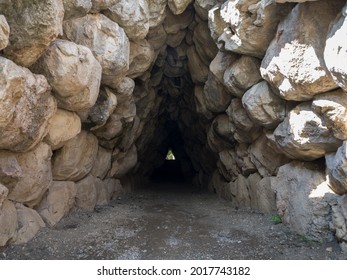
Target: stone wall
x,y
249,94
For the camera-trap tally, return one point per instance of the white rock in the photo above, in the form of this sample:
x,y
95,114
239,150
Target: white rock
x,y
335,52
141,58
63,126
156,12
178,6
303,199
76,8
263,106
26,107
132,16
303,135
73,72
106,39
294,62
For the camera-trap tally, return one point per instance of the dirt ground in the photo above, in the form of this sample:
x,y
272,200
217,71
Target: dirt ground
x,y
170,223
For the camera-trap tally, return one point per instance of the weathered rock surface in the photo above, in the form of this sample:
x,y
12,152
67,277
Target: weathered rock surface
x,y
303,199
76,8
197,69
337,169
203,6
58,202
36,175
63,126
4,32
86,195
156,12
241,75
106,39
303,135
266,196
263,106
178,6
29,223
73,72
332,107
100,5
123,162
26,107
294,62
3,194
34,25
246,27
8,222
221,62
76,158
10,171
141,58
266,156
335,52
132,16
339,220
102,163
103,195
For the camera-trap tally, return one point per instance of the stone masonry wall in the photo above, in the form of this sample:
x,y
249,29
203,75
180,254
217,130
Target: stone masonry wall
x,y
89,91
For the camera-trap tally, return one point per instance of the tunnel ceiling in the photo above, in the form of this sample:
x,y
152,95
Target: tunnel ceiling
x,y
249,94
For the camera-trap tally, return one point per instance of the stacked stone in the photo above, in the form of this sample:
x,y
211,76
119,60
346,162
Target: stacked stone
x,y
281,66
257,88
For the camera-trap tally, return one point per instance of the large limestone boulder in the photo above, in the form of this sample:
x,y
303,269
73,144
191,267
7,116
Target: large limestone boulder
x,y
102,192
221,63
123,162
246,26
241,75
141,58
294,62
174,23
63,126
156,12
337,169
266,196
75,160
132,16
36,175
266,156
86,196
106,39
178,6
263,106
220,135
26,107
29,223
335,52
8,222
58,201
303,199
332,107
157,37
34,25
203,6
303,135
4,32
76,8
73,72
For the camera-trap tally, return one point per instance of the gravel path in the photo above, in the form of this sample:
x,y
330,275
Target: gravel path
x,y
170,224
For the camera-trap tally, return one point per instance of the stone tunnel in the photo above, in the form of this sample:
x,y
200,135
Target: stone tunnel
x,y
248,95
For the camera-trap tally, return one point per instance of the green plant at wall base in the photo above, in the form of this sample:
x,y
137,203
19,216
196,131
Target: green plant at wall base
x,y
276,219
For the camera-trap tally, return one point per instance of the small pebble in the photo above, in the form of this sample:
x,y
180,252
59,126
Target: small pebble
x,y
329,249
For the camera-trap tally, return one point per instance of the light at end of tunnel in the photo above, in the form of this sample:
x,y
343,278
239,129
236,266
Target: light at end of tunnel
x,y
170,155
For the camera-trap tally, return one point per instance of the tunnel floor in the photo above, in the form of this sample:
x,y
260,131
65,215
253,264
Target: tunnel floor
x,y
169,222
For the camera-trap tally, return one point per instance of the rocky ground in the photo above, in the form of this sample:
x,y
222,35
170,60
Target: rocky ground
x,y
169,223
